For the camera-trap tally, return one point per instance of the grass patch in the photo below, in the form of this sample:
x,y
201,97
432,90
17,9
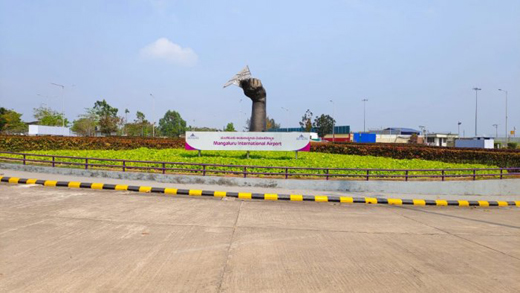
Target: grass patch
x,y
269,159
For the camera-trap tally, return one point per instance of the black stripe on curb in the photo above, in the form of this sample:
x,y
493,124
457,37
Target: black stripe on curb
x,y
266,196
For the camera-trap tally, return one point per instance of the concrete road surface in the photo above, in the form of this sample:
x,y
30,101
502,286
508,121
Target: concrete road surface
x,y
73,240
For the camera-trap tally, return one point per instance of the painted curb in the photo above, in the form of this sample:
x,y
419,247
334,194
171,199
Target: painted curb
x,y
264,196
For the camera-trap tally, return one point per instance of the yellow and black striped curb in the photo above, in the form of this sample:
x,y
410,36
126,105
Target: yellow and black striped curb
x,y
264,196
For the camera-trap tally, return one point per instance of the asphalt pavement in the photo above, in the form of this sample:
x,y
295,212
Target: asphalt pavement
x,y
81,240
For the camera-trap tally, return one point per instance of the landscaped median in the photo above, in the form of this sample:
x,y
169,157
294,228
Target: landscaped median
x,y
259,196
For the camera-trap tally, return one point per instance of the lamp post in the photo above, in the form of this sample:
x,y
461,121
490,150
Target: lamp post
x,y
476,89
286,118
153,115
364,112
496,130
62,102
458,128
333,135
507,134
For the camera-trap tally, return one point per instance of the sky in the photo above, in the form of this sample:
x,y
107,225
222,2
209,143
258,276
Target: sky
x,y
415,61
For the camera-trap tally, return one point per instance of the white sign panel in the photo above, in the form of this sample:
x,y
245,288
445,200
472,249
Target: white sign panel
x,y
248,141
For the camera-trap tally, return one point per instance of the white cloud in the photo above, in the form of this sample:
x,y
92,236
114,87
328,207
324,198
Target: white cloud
x,y
166,50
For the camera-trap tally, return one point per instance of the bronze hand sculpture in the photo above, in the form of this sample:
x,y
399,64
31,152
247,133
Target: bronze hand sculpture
x,y
254,89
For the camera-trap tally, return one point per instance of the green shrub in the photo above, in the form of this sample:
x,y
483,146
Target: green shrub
x,y
512,145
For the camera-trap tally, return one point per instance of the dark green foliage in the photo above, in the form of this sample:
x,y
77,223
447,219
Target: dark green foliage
x,y
500,157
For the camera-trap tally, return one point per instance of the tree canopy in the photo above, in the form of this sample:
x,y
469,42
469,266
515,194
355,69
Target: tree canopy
x,y
49,117
172,124
323,124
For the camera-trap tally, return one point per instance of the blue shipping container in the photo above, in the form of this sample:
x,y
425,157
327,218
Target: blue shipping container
x,y
365,137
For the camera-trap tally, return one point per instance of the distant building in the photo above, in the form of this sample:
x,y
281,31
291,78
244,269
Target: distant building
x,y
50,130
475,142
441,139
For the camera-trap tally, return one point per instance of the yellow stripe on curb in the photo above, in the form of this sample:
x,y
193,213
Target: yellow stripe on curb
x,y
50,183
441,202
74,184
244,195
419,202
463,203
170,190
121,187
370,200
145,189
219,194
31,181
502,203
321,198
195,192
483,203
96,186
346,199
271,196
517,203
14,180
395,201
296,197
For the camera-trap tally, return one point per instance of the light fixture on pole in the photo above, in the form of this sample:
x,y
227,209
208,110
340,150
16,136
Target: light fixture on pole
x,y
458,128
496,130
286,118
153,115
507,134
364,112
333,132
476,89
62,102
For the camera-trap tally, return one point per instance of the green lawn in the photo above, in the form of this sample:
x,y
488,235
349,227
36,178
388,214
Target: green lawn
x,y
283,159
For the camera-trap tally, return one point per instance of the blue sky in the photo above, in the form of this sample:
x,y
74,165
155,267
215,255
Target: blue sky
x,y
416,61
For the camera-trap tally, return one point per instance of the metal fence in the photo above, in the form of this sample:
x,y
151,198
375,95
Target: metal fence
x,y
254,171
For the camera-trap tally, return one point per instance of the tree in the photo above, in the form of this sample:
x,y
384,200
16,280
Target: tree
x,y
49,117
11,122
323,125
172,124
230,127
107,117
86,124
306,123
140,126
271,124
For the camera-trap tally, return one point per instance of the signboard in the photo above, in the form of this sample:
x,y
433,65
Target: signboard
x,y
248,141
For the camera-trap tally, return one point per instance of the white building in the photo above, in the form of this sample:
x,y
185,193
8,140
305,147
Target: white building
x,y
441,139
475,142
50,130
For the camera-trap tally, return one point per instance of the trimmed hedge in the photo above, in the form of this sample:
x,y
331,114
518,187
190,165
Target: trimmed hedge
x,y
502,158
16,143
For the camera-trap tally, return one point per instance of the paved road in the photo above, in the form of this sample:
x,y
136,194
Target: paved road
x,y
71,240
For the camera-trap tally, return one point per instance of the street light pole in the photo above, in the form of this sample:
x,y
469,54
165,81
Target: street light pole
x,y
496,130
333,133
476,89
62,102
458,128
364,112
507,134
153,115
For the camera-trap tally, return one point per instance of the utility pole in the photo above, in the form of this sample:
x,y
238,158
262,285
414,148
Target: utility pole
x,y
364,112
507,134
476,89
458,128
153,115
62,102
333,106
